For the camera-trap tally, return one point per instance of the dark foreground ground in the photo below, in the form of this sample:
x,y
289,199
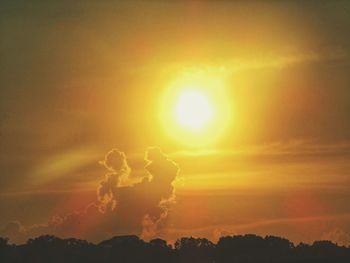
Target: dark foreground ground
x,y
247,248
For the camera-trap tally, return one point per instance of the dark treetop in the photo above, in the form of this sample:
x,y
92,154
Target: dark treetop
x,y
247,248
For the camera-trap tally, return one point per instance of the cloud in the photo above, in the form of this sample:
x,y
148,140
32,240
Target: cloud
x,y
277,148
124,205
264,226
338,236
115,162
272,60
19,233
13,229
140,206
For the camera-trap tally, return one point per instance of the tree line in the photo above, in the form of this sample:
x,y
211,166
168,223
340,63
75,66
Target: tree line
x,y
129,249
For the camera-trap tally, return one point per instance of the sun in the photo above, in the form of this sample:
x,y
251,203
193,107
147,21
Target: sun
x,y
193,110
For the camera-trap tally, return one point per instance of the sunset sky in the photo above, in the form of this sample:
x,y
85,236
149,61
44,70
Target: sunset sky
x,y
266,151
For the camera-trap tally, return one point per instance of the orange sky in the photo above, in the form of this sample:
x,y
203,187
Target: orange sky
x,y
78,79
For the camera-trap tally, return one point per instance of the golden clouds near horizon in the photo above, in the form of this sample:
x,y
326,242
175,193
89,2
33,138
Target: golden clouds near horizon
x,y
195,109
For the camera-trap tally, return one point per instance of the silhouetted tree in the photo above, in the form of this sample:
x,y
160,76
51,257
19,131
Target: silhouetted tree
x,y
160,251
195,250
5,249
131,249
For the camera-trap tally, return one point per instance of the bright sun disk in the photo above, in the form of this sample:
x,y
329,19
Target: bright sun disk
x,y
193,110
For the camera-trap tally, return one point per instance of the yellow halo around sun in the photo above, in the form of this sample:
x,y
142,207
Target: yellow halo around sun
x,y
195,110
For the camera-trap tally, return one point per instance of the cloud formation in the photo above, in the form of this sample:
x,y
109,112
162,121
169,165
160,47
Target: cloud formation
x,y
143,204
338,236
124,205
115,162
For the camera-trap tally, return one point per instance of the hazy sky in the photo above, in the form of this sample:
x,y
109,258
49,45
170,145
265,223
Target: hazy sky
x,y
78,79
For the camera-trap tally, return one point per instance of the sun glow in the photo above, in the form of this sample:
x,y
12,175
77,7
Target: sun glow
x,y
195,110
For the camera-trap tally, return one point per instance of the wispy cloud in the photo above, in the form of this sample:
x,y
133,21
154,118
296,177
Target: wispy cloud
x,y
218,230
